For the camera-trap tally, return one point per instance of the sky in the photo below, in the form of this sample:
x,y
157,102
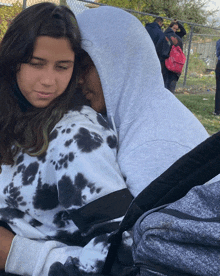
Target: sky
x,y
214,4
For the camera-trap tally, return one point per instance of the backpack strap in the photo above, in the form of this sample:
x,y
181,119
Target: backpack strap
x,y
194,168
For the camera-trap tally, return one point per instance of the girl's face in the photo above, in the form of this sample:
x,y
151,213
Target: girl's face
x,y
48,73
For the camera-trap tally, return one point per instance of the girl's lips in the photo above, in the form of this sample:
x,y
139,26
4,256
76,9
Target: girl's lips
x,y
44,94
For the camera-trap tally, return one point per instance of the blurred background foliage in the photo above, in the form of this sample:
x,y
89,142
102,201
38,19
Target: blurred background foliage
x,y
7,13
193,11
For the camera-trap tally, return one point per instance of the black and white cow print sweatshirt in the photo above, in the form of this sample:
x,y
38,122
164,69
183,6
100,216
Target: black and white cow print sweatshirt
x,y
63,203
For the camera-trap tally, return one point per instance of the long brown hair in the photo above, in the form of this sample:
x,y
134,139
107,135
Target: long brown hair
x,y
23,127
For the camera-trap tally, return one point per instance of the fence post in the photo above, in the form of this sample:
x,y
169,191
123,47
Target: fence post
x,y
188,54
24,4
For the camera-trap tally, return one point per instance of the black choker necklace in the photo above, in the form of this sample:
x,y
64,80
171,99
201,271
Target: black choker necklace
x,y
23,103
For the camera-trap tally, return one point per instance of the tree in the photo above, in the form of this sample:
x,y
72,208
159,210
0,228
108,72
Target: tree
x,y
7,14
193,11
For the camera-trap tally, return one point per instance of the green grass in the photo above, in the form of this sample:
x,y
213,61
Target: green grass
x,y
203,81
196,64
199,93
202,106
197,74
198,82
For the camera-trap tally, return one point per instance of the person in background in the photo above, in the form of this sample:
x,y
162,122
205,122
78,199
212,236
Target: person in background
x,y
172,37
155,32
217,76
61,190
178,28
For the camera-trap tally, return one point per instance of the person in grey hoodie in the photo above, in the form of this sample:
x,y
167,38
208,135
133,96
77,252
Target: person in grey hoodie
x,y
123,78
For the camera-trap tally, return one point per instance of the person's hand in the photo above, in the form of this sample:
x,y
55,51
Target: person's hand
x,y
174,40
6,238
69,268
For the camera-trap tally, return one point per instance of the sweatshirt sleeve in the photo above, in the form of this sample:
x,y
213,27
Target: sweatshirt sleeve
x,y
51,258
90,189
34,257
163,48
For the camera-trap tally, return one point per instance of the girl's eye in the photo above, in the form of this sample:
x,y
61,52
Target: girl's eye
x,y
37,65
62,67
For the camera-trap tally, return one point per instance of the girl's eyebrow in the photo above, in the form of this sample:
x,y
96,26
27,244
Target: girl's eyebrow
x,y
59,61
41,59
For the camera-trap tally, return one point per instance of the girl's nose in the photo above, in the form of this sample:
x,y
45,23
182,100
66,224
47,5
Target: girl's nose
x,y
48,77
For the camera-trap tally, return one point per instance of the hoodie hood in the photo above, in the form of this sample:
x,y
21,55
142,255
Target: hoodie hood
x,y
111,37
154,128
153,26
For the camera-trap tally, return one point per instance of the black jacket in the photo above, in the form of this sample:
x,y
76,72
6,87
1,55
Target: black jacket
x,y
169,32
155,32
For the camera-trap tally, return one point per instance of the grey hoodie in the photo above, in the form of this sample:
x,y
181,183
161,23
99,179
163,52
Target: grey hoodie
x,y
153,126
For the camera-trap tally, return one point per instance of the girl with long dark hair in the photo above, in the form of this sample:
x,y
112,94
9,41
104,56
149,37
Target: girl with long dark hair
x,y
59,182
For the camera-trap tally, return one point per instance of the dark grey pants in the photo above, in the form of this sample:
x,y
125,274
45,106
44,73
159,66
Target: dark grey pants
x,y
170,78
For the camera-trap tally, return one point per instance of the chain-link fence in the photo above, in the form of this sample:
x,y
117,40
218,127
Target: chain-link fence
x,y
199,70
198,48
